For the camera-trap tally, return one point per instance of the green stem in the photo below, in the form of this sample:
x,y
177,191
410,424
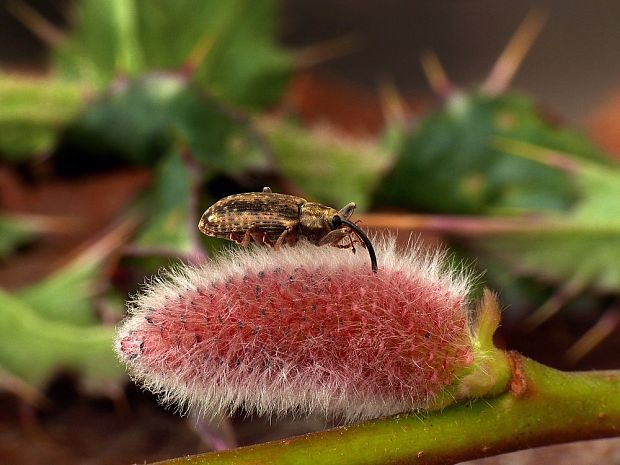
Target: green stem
x,y
543,406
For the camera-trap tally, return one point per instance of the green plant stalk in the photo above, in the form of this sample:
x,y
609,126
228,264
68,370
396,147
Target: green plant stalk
x,y
542,406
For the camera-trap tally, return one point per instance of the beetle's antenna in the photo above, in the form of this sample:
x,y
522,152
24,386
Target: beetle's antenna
x,y
362,235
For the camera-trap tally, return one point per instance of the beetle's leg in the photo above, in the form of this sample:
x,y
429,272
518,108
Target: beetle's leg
x,y
292,238
334,237
347,245
258,236
263,238
351,241
284,236
235,238
364,238
247,237
252,233
267,190
356,240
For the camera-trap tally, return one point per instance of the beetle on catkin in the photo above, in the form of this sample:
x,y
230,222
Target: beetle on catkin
x,y
272,219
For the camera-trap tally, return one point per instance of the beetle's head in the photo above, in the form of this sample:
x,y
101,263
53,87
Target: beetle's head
x,y
323,225
316,220
337,217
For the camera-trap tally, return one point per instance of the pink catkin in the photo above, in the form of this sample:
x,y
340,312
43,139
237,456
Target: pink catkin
x,y
300,330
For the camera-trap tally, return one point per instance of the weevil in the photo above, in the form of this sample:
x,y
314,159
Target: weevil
x,y
274,219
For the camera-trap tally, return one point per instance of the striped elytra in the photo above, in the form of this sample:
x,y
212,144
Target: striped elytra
x,y
269,212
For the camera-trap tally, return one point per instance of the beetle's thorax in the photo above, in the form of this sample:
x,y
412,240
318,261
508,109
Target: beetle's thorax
x,y
315,221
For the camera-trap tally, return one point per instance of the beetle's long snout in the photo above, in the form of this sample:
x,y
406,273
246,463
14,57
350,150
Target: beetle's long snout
x,y
362,235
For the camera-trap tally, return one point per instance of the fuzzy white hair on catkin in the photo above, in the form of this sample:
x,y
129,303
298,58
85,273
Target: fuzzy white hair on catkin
x,y
416,261
204,377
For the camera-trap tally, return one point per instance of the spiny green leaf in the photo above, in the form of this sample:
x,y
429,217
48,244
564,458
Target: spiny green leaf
x,y
19,229
102,44
326,167
139,122
582,244
571,252
215,139
243,64
129,123
66,295
34,349
448,163
32,113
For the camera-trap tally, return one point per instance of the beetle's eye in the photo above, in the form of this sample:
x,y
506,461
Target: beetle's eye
x,y
336,221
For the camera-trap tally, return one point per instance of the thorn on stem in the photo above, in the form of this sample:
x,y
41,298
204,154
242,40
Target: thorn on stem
x,y
436,75
511,58
604,327
554,303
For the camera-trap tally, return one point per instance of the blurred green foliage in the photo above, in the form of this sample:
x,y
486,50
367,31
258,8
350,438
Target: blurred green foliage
x,y
134,82
172,86
13,233
115,42
169,208
329,168
66,295
473,157
34,348
179,87
581,245
52,324
137,122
